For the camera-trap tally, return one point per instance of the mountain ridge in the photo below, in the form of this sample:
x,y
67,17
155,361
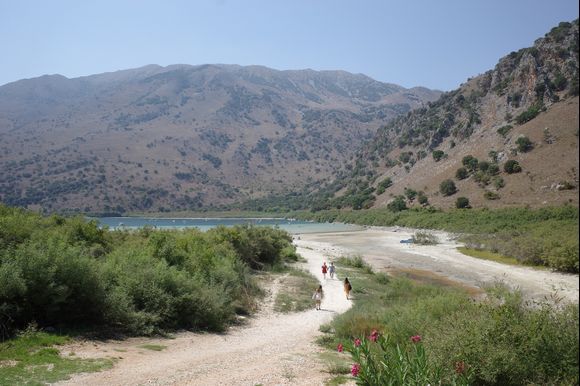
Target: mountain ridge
x,y
183,137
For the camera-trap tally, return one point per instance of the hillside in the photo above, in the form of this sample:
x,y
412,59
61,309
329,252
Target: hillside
x,y
524,110
184,137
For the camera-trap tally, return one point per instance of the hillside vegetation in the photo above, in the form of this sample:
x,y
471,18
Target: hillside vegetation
x,y
68,273
506,138
183,137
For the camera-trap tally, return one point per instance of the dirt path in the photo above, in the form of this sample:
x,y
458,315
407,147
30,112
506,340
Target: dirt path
x,y
382,249
272,349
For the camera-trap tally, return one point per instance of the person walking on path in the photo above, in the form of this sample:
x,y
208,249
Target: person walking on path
x,y
317,296
347,287
324,270
331,270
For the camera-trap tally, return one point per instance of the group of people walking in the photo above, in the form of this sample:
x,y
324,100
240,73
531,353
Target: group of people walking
x,y
318,294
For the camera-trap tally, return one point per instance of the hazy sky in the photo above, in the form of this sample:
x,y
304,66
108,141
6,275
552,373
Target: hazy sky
x,y
432,43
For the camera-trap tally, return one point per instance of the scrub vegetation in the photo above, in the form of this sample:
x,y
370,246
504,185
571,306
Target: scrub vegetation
x,y
411,332
68,273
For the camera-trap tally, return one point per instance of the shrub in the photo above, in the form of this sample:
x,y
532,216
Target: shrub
x,y
379,360
528,115
462,203
505,342
461,174
384,185
491,195
410,194
470,162
498,182
484,166
512,166
482,178
423,200
397,204
425,238
447,187
493,169
524,144
438,155
504,130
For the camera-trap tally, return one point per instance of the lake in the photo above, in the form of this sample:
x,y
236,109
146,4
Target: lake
x,y
289,225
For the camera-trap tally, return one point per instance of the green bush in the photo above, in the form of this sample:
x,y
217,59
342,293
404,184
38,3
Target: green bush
x,y
470,162
447,187
524,144
512,166
462,203
397,204
384,185
504,130
438,155
461,174
425,238
529,114
488,195
69,273
506,343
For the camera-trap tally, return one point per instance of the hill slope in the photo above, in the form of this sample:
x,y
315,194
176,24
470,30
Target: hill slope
x,y
184,137
524,110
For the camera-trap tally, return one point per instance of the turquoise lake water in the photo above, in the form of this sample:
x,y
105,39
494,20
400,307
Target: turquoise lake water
x,y
291,226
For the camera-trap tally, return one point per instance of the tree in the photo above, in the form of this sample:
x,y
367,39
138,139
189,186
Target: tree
x,y
462,203
470,162
397,205
437,155
461,174
383,185
524,144
512,166
410,194
447,188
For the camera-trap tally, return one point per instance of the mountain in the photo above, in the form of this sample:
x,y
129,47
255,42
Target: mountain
x,y
508,137
184,137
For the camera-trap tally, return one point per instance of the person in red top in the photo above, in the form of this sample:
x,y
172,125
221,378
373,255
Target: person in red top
x,y
324,270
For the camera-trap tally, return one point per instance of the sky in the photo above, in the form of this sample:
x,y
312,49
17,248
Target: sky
x,y
429,43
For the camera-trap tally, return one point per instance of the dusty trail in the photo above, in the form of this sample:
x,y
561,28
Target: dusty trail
x,y
272,349
382,249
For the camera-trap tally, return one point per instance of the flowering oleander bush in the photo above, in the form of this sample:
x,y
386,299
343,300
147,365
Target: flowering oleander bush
x,y
379,361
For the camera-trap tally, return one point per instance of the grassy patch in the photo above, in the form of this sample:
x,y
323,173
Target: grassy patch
x,y
32,359
296,290
486,255
153,347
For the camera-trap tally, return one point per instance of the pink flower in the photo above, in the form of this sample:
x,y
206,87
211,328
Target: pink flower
x,y
357,342
416,338
374,336
355,369
340,347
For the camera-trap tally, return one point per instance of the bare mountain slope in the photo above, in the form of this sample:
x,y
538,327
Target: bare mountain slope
x,y
184,137
525,110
